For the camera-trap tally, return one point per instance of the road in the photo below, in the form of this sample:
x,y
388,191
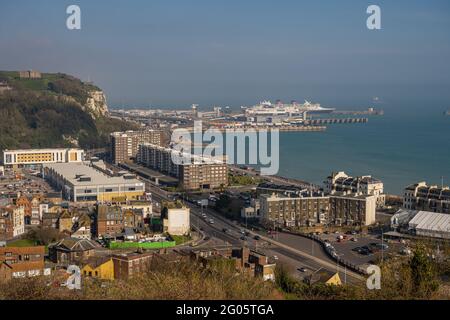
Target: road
x,y
294,251
276,179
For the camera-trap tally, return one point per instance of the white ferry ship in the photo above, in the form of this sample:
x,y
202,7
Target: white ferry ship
x,y
266,111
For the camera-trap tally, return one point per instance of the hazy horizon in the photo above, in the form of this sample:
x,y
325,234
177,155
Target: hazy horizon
x,y
173,54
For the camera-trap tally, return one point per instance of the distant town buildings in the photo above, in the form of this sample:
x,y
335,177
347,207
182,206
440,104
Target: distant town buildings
x,y
30,74
176,218
81,182
313,209
42,156
341,183
198,173
124,145
420,196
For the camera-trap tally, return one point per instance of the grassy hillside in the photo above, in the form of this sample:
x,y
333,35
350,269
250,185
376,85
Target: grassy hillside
x,y
48,112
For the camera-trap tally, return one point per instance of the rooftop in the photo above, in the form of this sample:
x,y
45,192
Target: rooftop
x,y
81,174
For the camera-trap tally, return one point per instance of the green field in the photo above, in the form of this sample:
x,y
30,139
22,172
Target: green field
x,y
22,243
145,245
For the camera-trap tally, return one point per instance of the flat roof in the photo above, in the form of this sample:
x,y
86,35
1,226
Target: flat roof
x,y
42,150
72,171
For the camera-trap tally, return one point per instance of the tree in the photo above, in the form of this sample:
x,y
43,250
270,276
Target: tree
x,y
423,273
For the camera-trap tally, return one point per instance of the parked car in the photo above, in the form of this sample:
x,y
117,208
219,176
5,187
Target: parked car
x,y
257,237
302,269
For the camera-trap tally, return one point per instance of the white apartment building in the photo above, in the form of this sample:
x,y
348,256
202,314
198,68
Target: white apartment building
x,y
41,156
341,183
420,196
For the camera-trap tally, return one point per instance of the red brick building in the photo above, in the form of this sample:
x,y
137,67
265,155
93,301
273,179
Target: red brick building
x,y
20,262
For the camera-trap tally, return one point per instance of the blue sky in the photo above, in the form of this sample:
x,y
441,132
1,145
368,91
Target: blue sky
x,y
172,53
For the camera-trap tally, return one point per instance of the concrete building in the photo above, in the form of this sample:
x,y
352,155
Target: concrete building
x,y
341,183
420,196
176,219
124,145
81,182
12,222
42,156
310,210
196,173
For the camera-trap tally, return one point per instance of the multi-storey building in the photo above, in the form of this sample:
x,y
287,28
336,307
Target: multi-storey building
x,y
352,210
310,210
124,145
21,262
12,222
298,211
109,221
195,173
420,196
341,183
41,156
82,182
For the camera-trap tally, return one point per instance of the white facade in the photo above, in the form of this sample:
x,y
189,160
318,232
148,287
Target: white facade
x,y
2,170
340,182
41,156
177,221
18,221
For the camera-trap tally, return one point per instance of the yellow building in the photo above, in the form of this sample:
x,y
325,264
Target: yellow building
x,y
100,268
42,156
324,277
334,280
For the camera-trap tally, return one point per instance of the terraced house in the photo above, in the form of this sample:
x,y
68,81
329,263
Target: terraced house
x,y
421,196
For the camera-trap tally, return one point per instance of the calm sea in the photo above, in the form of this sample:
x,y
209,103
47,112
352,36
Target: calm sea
x,y
402,147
